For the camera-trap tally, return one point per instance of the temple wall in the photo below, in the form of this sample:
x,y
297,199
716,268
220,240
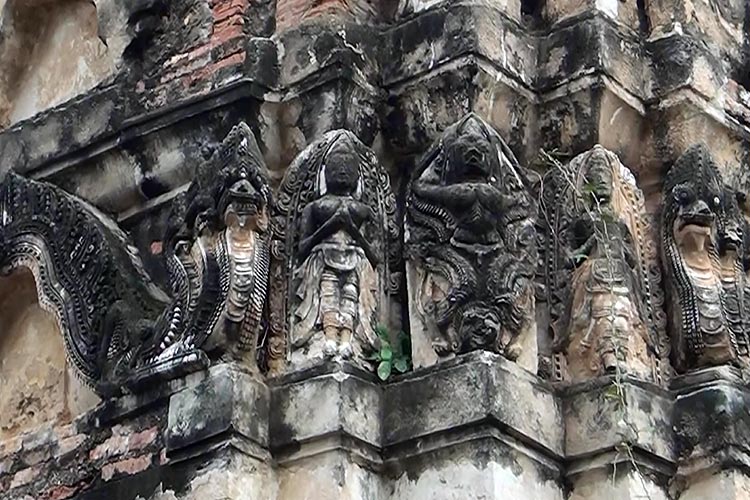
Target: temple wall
x,y
131,109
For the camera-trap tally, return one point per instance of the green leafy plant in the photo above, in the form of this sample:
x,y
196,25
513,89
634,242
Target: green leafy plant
x,y
392,356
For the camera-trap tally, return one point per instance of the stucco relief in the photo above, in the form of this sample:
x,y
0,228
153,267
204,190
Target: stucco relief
x,y
704,252
601,270
335,236
119,327
470,249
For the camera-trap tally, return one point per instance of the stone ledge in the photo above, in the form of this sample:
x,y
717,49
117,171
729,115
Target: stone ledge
x,y
447,416
227,403
600,416
331,403
475,389
712,420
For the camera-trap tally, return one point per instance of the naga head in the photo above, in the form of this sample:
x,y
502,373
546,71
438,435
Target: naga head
x,y
693,198
243,193
232,187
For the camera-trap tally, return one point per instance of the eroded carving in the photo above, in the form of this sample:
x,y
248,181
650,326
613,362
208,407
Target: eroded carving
x,y
704,253
335,242
471,249
601,272
119,327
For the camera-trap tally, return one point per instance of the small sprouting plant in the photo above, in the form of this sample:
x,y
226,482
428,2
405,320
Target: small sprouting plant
x,y
392,356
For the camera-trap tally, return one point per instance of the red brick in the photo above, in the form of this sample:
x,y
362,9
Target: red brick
x,y
222,10
67,445
203,74
123,441
228,61
292,12
185,69
127,466
60,492
116,445
25,476
225,33
198,52
140,440
187,57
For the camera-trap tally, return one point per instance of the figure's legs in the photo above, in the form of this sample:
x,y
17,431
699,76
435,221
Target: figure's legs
x,y
348,310
612,345
329,308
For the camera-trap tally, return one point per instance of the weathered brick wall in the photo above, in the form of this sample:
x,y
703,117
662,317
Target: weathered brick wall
x,y
55,463
645,79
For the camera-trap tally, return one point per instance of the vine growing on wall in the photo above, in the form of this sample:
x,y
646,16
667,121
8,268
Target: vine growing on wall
x,y
626,430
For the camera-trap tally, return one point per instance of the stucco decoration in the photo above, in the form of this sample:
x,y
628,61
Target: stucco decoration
x,y
704,255
602,274
120,328
471,249
335,253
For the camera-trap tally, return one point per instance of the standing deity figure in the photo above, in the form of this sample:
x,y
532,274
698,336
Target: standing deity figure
x,y
335,253
703,252
600,271
336,223
471,249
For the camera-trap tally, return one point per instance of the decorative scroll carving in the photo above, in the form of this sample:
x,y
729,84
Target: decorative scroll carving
x,y
703,236
471,249
335,251
119,327
602,273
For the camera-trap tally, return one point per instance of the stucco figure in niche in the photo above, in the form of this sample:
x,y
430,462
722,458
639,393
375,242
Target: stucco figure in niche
x,y
471,249
335,247
120,328
704,253
601,272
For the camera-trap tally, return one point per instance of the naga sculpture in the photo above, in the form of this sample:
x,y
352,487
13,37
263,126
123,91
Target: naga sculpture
x,y
335,248
704,251
120,328
471,249
601,272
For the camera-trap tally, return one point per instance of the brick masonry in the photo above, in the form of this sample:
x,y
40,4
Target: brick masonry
x,y
54,463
